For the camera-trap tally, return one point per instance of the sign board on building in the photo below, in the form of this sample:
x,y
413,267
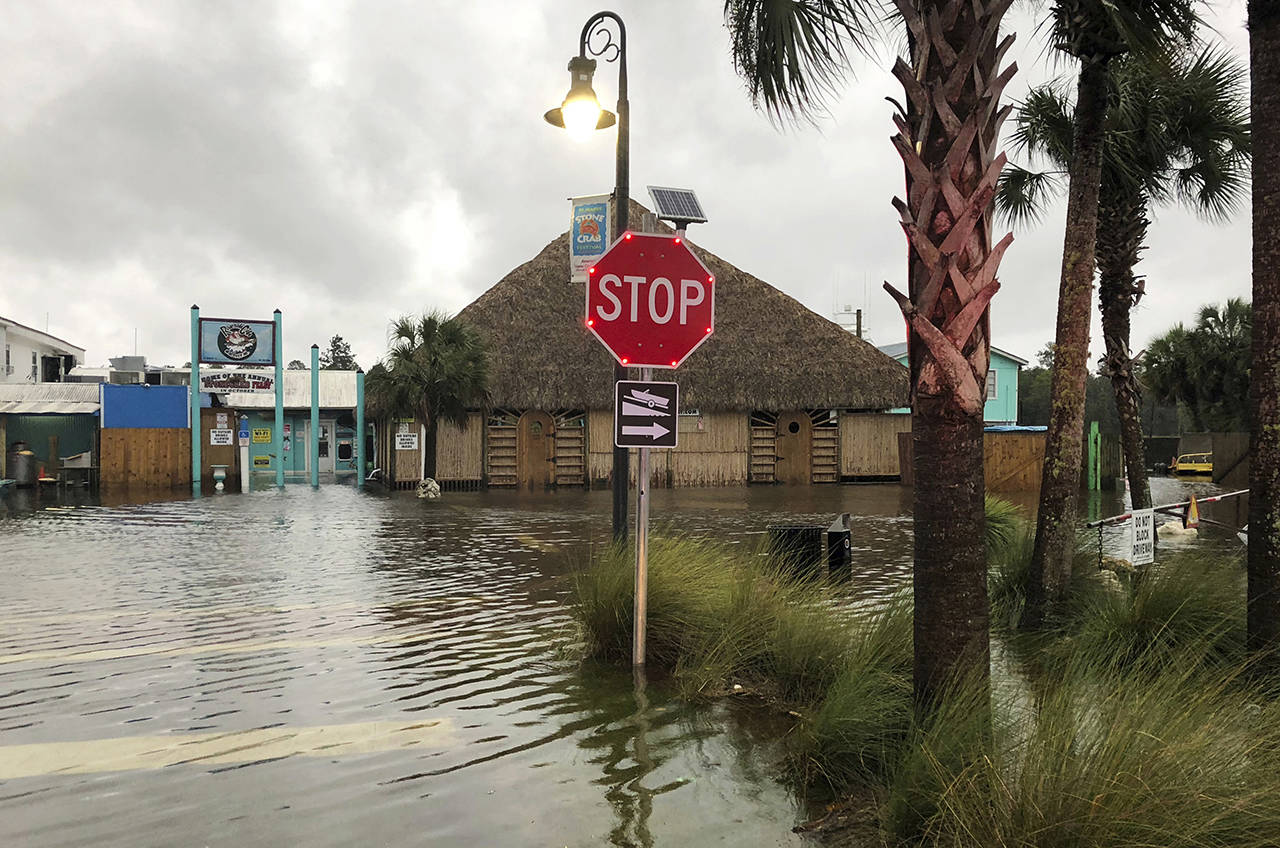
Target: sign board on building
x,y
645,414
237,381
588,233
406,441
650,301
236,341
1144,537
222,438
262,435
262,462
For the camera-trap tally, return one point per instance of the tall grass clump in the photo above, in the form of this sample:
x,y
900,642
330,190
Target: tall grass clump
x,y
1173,759
715,614
1005,523
1185,604
857,733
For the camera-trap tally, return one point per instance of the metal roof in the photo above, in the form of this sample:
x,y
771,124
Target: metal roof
x,y
9,322
898,349
47,398
337,391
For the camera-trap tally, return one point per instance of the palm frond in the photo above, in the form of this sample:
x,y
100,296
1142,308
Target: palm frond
x,y
793,54
1045,124
1022,195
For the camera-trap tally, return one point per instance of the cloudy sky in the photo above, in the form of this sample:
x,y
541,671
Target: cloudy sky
x,y
350,162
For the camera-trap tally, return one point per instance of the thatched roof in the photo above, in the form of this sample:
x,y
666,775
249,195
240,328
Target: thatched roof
x,y
769,351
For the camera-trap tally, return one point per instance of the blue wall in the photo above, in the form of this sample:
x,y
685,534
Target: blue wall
x,y
153,407
1003,408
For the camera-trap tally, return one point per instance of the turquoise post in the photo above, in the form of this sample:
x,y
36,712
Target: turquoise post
x,y
314,441
277,437
359,428
195,399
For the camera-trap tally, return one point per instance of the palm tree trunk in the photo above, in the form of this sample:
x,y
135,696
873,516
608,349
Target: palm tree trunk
x,y
1060,483
430,449
946,136
1122,229
1264,472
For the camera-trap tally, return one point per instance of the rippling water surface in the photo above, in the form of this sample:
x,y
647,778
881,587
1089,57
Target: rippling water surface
x,y
335,668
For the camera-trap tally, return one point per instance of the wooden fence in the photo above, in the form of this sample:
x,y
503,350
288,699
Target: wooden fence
x,y
460,450
146,457
1012,462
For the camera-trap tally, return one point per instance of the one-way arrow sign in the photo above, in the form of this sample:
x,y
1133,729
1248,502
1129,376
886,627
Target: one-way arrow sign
x,y
644,414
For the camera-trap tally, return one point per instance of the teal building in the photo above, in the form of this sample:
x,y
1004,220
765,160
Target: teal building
x,y
1002,383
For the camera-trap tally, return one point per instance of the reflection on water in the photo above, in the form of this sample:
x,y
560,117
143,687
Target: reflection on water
x,y
333,668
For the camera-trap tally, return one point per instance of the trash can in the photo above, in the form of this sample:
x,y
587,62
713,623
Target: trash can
x,y
797,546
22,465
840,548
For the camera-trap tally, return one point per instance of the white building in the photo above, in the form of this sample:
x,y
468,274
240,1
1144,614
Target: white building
x,y
31,356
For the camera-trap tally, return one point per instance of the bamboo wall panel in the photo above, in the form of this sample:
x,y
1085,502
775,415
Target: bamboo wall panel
x,y
460,449
869,443
148,458
715,455
406,465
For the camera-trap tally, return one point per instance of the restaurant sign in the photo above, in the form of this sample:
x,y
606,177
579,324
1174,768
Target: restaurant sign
x,y
237,381
233,341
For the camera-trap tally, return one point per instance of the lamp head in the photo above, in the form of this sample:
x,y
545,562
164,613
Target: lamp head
x,y
580,113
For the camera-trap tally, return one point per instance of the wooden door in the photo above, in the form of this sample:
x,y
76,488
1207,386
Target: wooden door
x,y
536,448
793,445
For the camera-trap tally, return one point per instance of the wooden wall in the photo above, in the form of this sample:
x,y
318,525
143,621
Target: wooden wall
x,y
146,457
210,455
1012,462
869,443
716,455
405,465
460,450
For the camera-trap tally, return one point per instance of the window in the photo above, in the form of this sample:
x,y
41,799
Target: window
x,y
35,367
8,360
991,384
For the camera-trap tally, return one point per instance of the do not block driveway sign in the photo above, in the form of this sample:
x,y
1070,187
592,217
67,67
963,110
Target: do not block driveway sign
x,y
645,414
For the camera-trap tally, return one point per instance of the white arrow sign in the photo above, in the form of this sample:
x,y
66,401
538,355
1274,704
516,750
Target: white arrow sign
x,y
653,431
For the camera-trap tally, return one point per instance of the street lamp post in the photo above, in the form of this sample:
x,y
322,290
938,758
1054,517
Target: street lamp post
x,y
580,114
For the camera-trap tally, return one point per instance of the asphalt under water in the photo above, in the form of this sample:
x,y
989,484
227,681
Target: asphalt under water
x,y
331,667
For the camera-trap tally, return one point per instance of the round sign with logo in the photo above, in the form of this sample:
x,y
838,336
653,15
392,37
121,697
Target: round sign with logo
x,y
237,341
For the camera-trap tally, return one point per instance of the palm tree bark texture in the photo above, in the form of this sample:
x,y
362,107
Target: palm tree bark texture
x,y
1264,472
1060,482
946,136
1122,230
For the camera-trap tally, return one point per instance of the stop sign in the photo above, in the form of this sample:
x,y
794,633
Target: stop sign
x,y
650,301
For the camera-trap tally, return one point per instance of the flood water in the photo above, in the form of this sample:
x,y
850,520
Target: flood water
x,y
331,667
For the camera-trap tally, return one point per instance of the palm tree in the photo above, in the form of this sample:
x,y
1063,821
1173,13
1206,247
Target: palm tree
x,y
1205,370
1264,472
435,370
791,54
1094,32
1176,128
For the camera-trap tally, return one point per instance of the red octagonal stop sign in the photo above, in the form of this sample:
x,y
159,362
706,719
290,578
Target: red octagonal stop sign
x,y
650,301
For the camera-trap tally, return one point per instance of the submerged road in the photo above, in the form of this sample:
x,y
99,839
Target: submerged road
x,y
335,668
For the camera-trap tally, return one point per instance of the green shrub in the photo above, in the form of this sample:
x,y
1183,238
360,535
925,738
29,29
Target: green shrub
x,y
1005,523
1185,601
1104,758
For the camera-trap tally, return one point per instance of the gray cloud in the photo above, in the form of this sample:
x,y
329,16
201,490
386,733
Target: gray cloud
x,y
351,162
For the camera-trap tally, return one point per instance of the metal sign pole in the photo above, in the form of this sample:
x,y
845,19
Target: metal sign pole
x,y
642,549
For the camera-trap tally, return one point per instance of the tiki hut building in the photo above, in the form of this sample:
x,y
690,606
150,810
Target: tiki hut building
x,y
778,394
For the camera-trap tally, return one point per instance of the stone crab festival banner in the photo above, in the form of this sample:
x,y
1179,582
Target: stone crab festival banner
x,y
230,341
588,233
237,381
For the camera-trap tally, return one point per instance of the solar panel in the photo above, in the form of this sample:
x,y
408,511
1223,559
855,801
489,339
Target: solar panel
x,y
677,204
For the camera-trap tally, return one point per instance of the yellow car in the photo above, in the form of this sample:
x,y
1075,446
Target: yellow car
x,y
1192,464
